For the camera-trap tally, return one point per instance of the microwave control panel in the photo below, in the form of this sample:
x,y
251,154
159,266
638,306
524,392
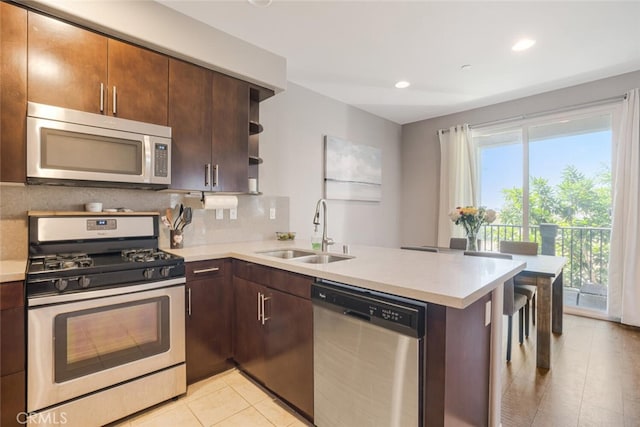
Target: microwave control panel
x,y
161,157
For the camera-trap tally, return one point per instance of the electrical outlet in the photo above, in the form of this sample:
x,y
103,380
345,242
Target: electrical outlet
x,y
219,214
233,213
487,313
272,213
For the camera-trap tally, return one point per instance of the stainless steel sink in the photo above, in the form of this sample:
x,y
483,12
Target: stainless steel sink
x,y
309,257
322,258
287,253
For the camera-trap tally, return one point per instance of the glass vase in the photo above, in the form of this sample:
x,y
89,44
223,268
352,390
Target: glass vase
x,y
472,241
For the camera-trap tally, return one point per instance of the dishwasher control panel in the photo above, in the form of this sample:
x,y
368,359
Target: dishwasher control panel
x,y
396,313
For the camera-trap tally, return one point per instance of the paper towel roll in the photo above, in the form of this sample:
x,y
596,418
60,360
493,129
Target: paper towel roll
x,y
220,202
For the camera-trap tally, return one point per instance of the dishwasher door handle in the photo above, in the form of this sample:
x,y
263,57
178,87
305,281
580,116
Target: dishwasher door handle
x,y
357,315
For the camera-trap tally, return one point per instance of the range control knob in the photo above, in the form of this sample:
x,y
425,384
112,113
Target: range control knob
x,y
148,273
164,271
84,282
61,284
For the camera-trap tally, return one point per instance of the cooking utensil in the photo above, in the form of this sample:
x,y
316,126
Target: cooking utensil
x,y
169,216
166,222
188,215
179,218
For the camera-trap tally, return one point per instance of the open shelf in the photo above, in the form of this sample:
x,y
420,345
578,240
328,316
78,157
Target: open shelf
x,y
255,128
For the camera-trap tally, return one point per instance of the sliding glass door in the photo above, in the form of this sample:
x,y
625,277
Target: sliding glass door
x,y
550,181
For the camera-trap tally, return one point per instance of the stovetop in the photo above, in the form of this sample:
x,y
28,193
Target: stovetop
x,y
82,263
78,253
79,272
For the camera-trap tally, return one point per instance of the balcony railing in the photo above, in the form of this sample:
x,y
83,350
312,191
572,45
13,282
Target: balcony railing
x,y
586,248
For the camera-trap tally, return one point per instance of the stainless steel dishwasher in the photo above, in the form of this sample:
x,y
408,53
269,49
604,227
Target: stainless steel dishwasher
x,y
368,357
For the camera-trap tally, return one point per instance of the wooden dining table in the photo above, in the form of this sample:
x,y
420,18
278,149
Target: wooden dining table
x,y
545,272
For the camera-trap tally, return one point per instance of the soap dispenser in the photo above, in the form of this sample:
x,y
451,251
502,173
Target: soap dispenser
x,y
316,239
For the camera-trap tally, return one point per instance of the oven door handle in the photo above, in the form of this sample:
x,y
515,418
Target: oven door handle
x,y
99,293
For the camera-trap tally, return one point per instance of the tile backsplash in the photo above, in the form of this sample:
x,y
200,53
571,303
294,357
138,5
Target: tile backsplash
x,y
253,220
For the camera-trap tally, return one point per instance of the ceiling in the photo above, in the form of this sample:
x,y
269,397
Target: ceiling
x,y
355,51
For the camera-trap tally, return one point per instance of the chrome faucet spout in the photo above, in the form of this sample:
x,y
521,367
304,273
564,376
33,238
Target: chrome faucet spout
x,y
326,241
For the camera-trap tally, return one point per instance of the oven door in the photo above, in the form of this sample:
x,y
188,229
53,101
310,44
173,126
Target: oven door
x,y
78,347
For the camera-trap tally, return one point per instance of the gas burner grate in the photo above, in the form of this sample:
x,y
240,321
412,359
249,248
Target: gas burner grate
x,y
67,261
144,255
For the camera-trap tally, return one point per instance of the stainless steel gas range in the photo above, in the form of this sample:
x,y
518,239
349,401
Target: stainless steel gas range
x,y
105,321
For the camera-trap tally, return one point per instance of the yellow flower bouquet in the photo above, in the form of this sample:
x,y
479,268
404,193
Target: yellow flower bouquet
x,y
472,218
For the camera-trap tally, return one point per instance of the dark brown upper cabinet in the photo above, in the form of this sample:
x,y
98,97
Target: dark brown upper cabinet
x,y
190,118
13,93
209,117
230,151
75,68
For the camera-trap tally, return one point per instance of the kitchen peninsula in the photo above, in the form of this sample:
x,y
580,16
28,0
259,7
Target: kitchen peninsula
x,y
461,372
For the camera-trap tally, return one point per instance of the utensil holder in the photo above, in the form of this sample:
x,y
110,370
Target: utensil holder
x,y
176,239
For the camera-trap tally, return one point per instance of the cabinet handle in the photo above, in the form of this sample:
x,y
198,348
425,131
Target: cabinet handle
x,y
207,174
189,302
115,100
102,97
206,270
259,305
264,319
215,175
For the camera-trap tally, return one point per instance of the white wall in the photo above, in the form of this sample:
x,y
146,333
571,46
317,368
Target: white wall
x,y
421,150
292,147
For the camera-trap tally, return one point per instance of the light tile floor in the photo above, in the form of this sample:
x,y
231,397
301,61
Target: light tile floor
x,y
225,400
594,381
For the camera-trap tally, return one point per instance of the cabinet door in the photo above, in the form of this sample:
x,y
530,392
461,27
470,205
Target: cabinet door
x,y
230,133
190,120
208,321
289,349
13,92
248,331
138,83
66,64
12,352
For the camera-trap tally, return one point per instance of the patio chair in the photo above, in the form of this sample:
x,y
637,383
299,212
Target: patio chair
x,y
523,248
512,302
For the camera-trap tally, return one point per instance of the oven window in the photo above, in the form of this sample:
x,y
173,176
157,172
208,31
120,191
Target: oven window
x,y
96,339
66,150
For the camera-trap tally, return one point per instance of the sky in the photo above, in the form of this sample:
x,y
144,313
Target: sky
x,y
501,166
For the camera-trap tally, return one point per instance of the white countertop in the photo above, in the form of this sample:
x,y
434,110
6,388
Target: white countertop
x,y
12,270
441,278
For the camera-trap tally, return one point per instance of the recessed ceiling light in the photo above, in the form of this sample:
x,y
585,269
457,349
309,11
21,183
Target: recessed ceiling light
x,y
403,84
523,44
260,3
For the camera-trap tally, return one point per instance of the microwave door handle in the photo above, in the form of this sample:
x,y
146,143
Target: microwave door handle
x,y
146,158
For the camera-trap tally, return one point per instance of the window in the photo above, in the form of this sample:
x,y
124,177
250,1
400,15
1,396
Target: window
x,y
549,179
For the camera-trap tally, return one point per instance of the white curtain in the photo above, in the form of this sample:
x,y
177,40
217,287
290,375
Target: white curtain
x,y
624,271
458,178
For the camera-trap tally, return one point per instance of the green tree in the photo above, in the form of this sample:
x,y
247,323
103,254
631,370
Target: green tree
x,y
580,206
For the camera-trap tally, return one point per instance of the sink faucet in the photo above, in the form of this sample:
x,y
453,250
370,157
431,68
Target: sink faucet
x,y
326,241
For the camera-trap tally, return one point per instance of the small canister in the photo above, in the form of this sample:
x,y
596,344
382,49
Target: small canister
x,y
176,239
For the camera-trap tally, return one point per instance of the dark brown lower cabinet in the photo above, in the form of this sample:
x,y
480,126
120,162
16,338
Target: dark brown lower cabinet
x,y
273,331
209,302
12,354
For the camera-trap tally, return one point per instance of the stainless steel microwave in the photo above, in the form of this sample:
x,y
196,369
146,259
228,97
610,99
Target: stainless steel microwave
x,y
76,148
